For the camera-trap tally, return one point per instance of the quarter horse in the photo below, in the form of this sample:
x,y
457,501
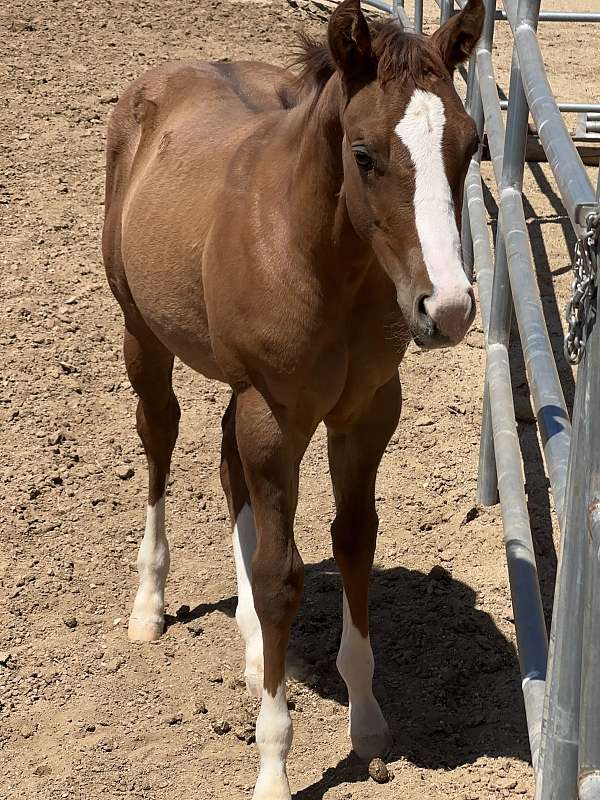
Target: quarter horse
x,y
288,235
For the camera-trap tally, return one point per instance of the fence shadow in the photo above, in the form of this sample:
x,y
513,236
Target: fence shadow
x,y
446,677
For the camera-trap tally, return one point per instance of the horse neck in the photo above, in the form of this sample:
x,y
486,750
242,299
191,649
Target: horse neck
x,y
320,224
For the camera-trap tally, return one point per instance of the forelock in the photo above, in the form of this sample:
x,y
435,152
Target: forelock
x,y
404,55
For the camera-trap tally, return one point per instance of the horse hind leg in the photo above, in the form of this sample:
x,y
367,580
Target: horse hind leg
x,y
149,366
244,545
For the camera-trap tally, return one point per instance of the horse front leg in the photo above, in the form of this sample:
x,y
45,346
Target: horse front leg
x,y
243,537
270,456
355,451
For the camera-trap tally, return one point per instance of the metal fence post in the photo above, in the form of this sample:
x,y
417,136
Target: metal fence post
x,y
588,778
474,106
501,308
419,16
487,478
446,9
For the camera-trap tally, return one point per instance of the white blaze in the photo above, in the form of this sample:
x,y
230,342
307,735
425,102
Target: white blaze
x,y
244,545
421,130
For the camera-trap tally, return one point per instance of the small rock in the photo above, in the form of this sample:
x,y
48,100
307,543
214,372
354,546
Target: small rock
x,y
378,771
175,719
70,622
246,733
114,665
125,472
41,770
27,729
200,708
196,629
68,368
506,783
56,438
423,422
4,657
471,514
106,99
220,726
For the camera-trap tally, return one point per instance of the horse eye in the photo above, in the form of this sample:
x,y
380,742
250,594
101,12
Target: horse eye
x,y
363,159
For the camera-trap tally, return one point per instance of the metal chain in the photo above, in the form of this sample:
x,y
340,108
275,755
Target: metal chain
x,y
584,285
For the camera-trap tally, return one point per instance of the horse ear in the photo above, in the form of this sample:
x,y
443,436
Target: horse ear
x,y
456,39
350,42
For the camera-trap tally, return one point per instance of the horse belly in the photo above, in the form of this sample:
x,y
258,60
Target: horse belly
x,y
164,230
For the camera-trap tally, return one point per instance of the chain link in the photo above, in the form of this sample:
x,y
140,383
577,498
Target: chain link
x,y
579,308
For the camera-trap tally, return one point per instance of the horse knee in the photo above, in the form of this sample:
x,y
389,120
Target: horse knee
x,y
353,535
277,587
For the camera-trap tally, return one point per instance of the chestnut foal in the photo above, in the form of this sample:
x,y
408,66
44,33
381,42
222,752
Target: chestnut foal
x,y
288,236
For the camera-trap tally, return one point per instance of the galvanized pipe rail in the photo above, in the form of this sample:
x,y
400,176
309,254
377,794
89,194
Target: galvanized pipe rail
x,y
556,722
561,685
561,689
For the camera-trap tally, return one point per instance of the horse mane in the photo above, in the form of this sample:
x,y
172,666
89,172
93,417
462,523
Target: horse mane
x,y
398,53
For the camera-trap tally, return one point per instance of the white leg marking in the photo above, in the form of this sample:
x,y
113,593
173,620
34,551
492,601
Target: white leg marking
x,y
148,614
368,729
274,739
421,130
244,545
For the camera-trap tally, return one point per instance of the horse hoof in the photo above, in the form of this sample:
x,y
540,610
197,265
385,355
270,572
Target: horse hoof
x,y
372,745
254,684
141,631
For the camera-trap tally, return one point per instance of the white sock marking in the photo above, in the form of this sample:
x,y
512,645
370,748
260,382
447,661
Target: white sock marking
x,y
421,130
274,738
147,615
368,729
244,545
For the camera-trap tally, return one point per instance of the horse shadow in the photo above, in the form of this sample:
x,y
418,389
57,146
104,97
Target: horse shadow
x,y
446,677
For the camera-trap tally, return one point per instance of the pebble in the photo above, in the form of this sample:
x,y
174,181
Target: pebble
x,y
114,665
56,438
220,726
378,771
4,657
175,719
200,708
70,622
471,514
423,422
125,472
246,733
196,629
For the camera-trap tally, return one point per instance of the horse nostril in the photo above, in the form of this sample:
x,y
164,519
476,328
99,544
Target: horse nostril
x,y
421,305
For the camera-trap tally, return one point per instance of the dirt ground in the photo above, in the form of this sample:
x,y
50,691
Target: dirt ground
x,y
83,712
